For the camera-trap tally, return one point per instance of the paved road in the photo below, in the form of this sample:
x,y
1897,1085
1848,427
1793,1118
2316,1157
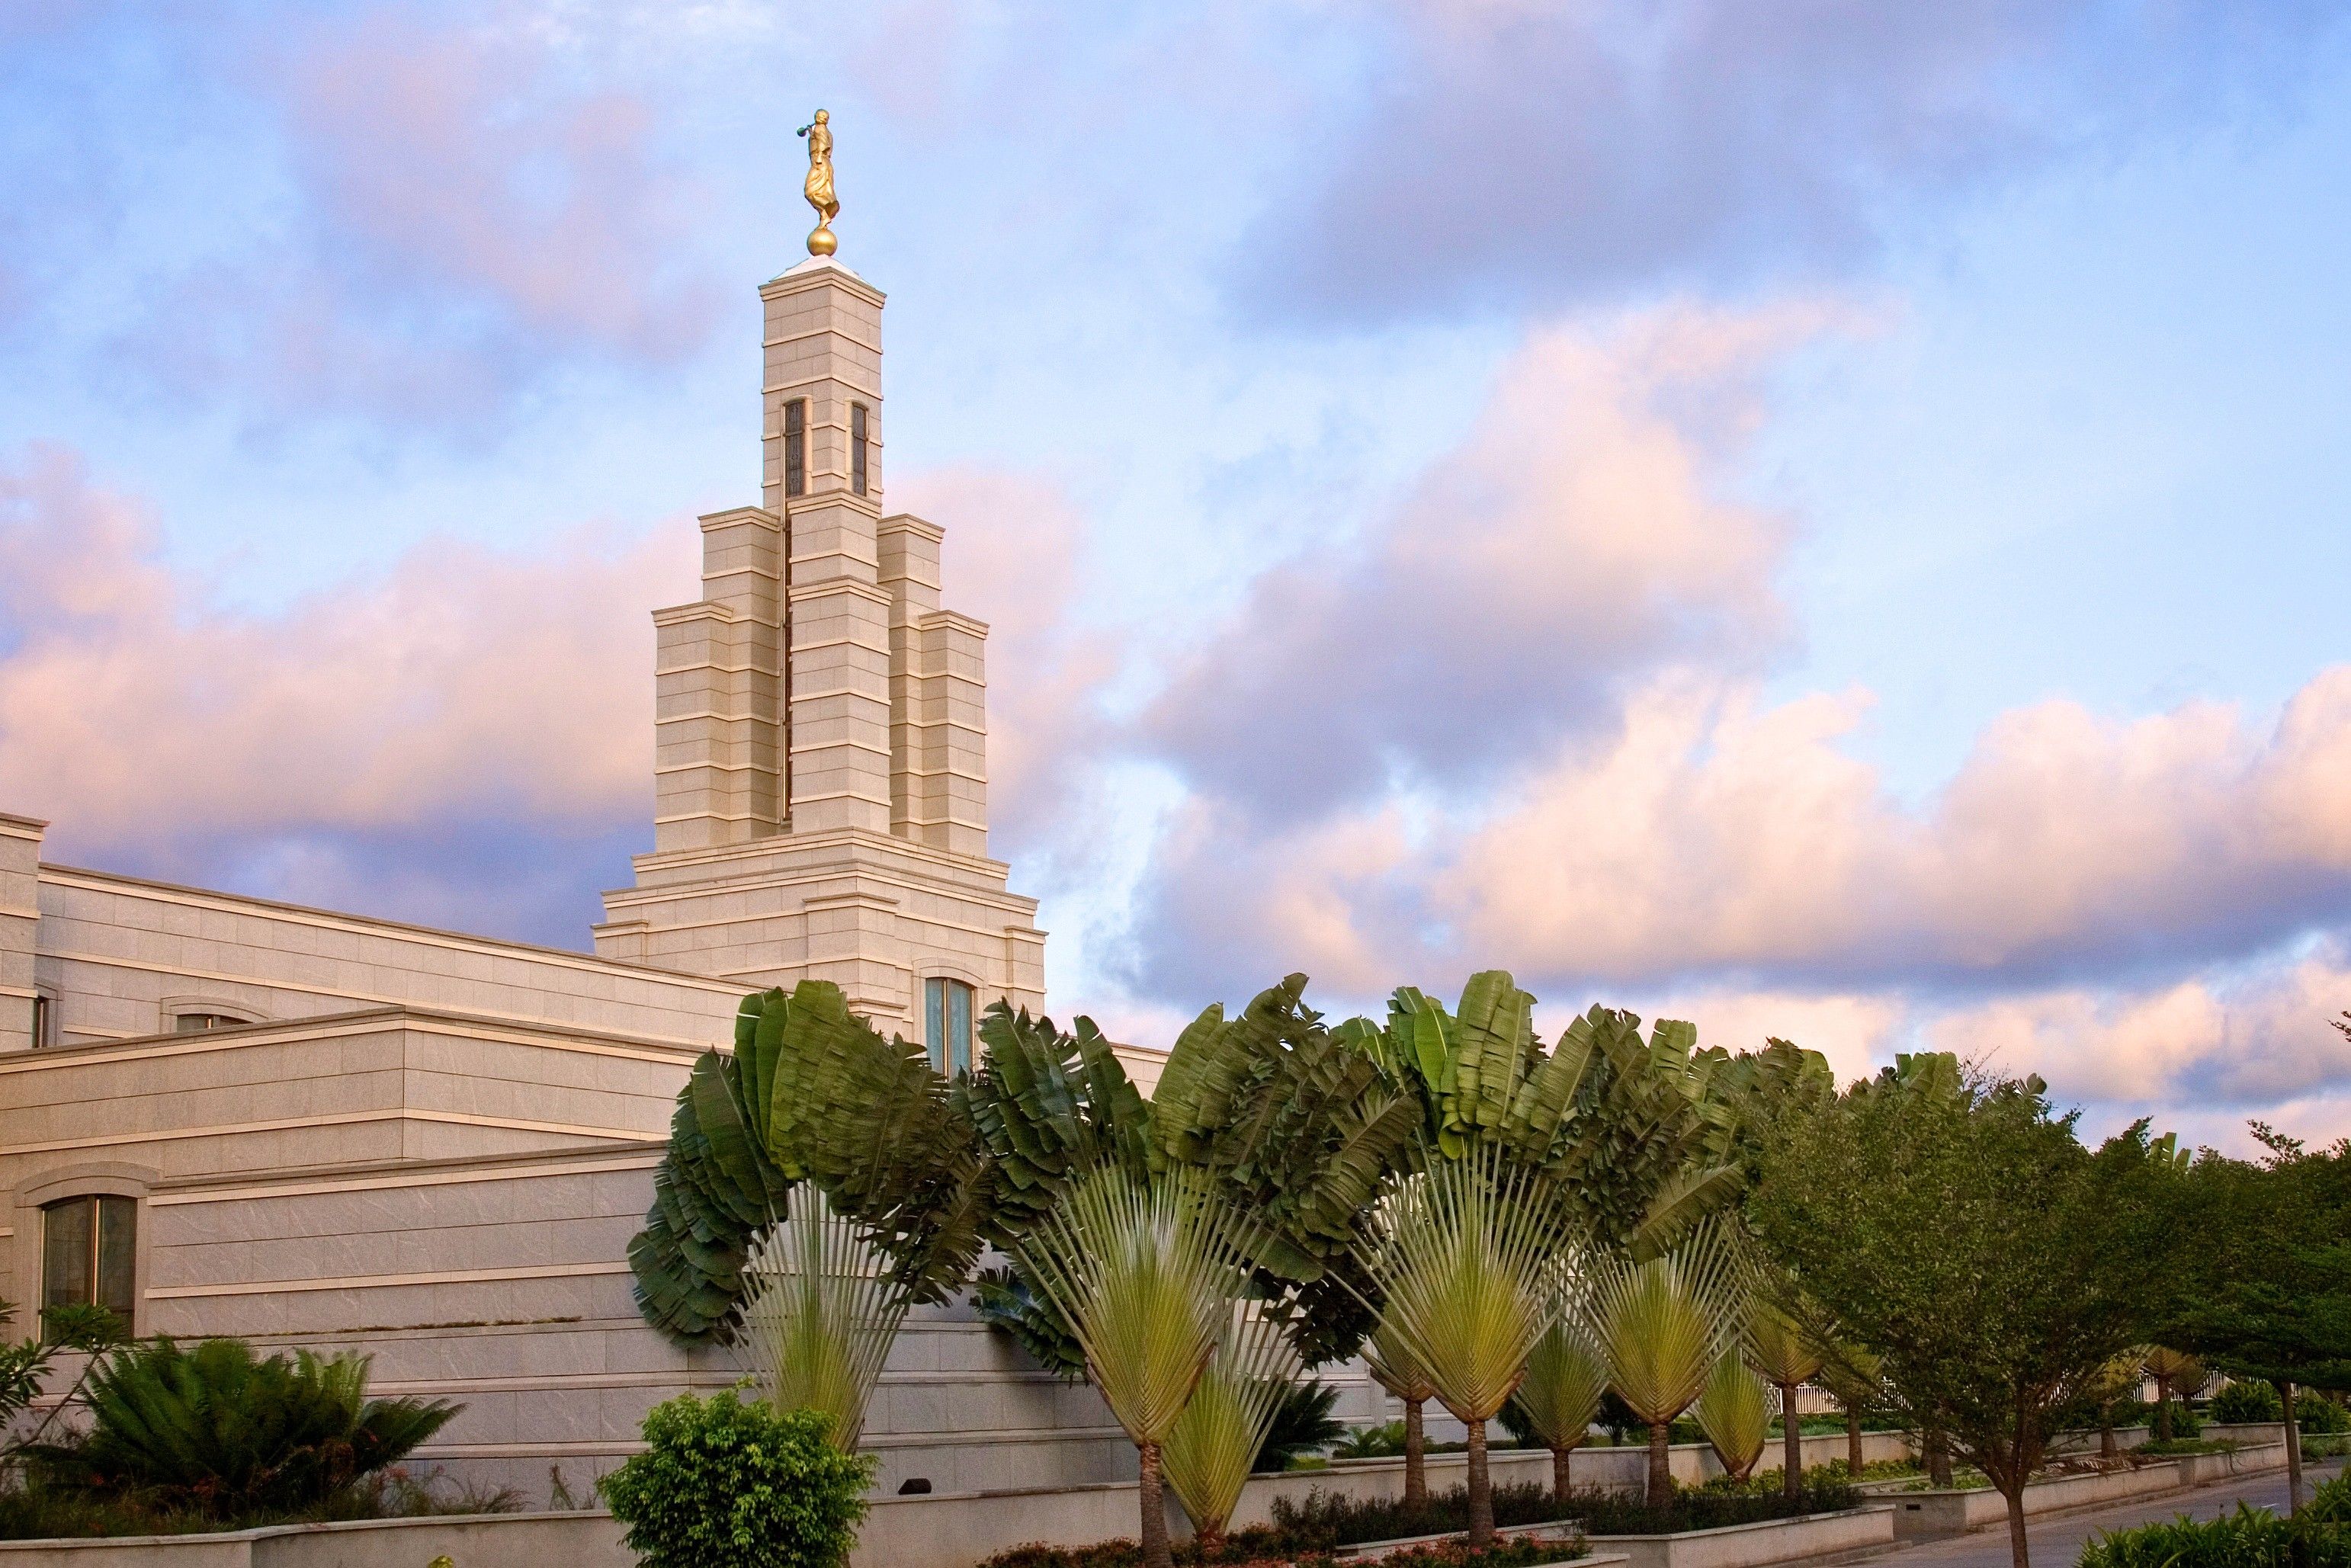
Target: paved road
x,y
2057,1543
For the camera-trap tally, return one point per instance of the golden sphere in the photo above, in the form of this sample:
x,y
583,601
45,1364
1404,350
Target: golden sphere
x,y
822,243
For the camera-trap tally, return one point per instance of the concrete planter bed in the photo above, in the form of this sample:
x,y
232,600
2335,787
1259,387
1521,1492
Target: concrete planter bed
x,y
1809,1535
1925,1514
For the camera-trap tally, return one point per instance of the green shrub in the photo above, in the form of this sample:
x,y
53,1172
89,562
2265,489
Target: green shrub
x,y
1382,1441
2315,1415
2249,1400
728,1485
2248,1538
220,1432
1303,1423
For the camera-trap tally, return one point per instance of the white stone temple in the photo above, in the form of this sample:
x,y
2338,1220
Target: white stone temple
x,y
224,1115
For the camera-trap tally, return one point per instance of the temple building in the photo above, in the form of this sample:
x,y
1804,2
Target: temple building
x,y
224,1115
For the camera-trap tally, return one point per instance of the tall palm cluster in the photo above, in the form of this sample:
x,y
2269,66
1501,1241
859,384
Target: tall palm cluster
x,y
1484,1218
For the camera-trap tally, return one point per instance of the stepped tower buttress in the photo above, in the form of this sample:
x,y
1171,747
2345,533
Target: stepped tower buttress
x,y
821,778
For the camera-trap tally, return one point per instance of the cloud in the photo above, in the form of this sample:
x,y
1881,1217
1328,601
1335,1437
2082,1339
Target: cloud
x,y
2235,1042
1573,542
463,221
464,687
1519,154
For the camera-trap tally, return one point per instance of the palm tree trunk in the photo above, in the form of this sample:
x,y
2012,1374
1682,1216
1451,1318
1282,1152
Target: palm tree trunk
x,y
1416,1456
1852,1459
2163,1409
1481,1488
1792,1445
2293,1452
1559,1484
1155,1552
1661,1464
2107,1447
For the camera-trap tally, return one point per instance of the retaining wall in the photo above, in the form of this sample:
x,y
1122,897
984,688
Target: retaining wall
x,y
1749,1545
1955,1512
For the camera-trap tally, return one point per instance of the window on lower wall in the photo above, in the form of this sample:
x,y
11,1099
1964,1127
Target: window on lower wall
x,y
197,1023
947,1025
89,1254
45,1015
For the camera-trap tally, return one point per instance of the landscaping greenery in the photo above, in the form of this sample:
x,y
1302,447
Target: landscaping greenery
x,y
2272,1296
727,1484
1618,1226
217,1431
1955,1226
2316,1537
2248,1399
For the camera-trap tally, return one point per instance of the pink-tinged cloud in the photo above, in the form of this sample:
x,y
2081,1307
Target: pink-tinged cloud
x,y
464,685
1575,541
1716,833
463,221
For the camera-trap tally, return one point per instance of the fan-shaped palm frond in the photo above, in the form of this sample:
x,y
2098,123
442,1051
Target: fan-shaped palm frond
x,y
1661,1323
1734,1411
822,1306
1215,1443
1566,1378
1780,1348
1145,1270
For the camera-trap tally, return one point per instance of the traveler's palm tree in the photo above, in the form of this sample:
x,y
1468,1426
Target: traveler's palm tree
x,y
1393,1367
1661,1323
1787,1356
1856,1382
1210,1450
2175,1372
1147,1271
1565,1381
819,1313
1734,1411
1460,1253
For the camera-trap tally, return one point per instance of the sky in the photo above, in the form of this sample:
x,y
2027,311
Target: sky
x,y
1827,519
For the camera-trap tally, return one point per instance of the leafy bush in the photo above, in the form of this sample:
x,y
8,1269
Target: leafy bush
x,y
2248,1400
2141,1413
1302,1423
1719,1502
220,1432
728,1485
2248,1538
1380,1442
2316,1416
1322,1521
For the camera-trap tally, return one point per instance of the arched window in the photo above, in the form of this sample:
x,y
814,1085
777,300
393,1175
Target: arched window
x,y
946,1024
89,1253
196,1022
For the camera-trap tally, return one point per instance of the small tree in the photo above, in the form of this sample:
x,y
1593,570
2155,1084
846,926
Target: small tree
x,y
724,1484
2173,1371
2273,1293
1214,1445
1853,1380
1962,1231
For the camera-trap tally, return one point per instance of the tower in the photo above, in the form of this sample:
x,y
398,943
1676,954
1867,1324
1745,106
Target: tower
x,y
821,722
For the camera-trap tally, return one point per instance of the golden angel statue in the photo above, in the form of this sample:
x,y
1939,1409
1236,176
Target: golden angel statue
x,y
819,183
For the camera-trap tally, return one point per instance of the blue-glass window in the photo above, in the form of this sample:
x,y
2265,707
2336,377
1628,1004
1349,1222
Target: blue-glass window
x,y
947,1025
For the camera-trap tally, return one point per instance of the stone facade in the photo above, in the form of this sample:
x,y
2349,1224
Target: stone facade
x,y
348,1133
822,730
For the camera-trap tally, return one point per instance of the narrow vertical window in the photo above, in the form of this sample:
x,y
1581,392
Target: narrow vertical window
x,y
89,1254
796,447
947,1025
857,447
43,1009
